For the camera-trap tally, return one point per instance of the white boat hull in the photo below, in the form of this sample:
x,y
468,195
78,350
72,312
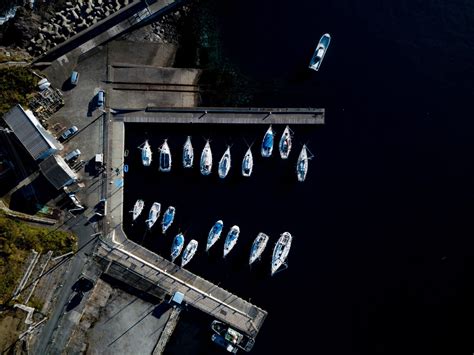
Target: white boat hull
x,y
285,143
247,163
281,251
206,159
137,209
165,158
146,154
267,143
224,164
320,52
189,252
302,165
177,246
258,247
153,214
168,218
188,154
214,234
231,239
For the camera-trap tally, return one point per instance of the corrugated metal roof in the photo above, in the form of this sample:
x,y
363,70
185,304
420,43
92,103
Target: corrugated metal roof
x,y
57,172
30,132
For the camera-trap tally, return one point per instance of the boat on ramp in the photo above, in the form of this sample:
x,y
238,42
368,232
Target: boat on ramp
x,y
258,247
177,246
188,153
231,239
168,218
224,164
137,209
320,51
285,143
214,234
146,153
247,163
206,159
153,214
302,164
267,143
189,252
165,157
281,251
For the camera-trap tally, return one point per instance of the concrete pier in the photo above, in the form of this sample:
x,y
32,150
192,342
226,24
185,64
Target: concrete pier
x,y
226,115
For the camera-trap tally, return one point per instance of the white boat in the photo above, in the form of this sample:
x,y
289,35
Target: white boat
x,y
224,164
302,164
146,153
153,214
188,154
137,209
189,252
168,218
206,159
258,247
267,143
285,143
177,246
247,163
320,51
231,239
214,234
281,250
165,157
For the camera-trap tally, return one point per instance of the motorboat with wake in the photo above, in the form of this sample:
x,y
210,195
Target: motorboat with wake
x,y
214,234
302,164
168,218
231,239
320,51
247,163
188,154
137,209
267,143
177,246
189,252
258,247
281,250
165,157
146,153
153,214
232,336
224,164
206,159
285,143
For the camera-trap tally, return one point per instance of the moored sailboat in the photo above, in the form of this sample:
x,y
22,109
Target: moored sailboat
x,y
214,234
165,157
177,246
281,250
267,143
146,153
206,159
231,239
258,247
137,209
168,218
224,164
188,153
153,214
247,163
189,252
285,143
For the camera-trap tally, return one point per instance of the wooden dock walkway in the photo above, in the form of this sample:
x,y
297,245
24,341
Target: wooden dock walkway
x,y
225,115
159,277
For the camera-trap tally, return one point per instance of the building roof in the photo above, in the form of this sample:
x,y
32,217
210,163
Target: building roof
x,y
30,132
57,172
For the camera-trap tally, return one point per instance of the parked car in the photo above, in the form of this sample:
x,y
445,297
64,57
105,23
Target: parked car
x,y
68,133
101,98
72,155
74,78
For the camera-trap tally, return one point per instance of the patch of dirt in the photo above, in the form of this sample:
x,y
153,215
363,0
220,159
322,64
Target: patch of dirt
x,y
11,326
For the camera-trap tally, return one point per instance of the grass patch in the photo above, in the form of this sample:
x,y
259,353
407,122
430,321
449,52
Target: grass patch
x,y
16,84
16,241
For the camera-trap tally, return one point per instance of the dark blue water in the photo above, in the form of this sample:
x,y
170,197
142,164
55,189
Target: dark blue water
x,y
382,257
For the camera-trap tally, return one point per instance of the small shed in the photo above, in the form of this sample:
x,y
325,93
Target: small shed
x,y
177,298
57,172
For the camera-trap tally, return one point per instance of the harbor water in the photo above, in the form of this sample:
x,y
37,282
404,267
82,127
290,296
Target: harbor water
x,y
381,261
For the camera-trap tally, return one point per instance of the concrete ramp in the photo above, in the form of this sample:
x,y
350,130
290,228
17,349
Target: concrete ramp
x,y
143,53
